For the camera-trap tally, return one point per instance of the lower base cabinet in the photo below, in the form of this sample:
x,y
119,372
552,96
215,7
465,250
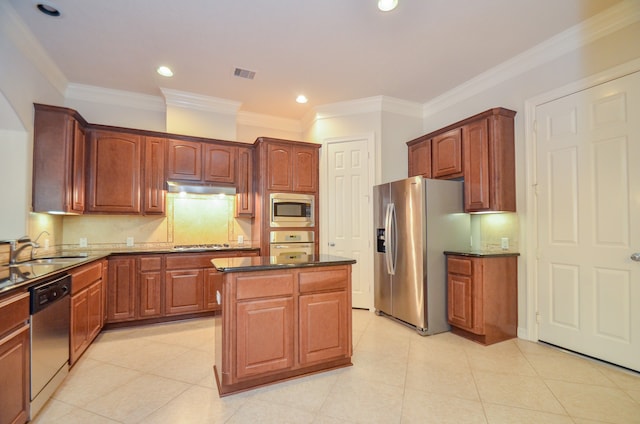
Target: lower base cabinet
x,y
280,324
87,307
482,297
14,359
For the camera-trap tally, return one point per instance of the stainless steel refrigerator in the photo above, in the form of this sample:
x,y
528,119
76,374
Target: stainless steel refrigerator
x,y
416,220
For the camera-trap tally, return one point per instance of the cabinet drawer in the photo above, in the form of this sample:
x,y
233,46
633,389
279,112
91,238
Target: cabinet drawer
x,y
459,266
150,263
329,279
82,277
14,312
254,286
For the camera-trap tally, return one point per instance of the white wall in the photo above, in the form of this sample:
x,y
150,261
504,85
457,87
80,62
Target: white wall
x,y
512,93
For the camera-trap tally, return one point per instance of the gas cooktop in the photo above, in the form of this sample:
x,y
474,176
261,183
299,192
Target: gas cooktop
x,y
213,246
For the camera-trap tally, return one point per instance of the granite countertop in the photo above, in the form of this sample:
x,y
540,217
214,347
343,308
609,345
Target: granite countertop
x,y
23,275
481,253
263,263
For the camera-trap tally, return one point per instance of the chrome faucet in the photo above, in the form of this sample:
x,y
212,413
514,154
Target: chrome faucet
x,y
14,250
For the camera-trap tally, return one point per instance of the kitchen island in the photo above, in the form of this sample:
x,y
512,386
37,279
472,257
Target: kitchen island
x,y
281,319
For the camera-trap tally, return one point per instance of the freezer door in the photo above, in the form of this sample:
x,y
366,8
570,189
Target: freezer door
x,y
382,277
407,290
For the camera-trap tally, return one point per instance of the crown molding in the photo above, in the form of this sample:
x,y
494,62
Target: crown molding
x,y
600,25
14,27
91,93
373,104
267,121
200,102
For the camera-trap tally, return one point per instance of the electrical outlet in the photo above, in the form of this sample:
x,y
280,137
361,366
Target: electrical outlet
x,y
46,243
240,239
504,243
83,242
129,241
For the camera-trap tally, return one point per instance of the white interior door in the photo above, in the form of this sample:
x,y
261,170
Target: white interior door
x,y
588,197
349,212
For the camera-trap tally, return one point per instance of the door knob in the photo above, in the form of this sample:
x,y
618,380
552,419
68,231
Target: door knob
x,y
635,257
332,244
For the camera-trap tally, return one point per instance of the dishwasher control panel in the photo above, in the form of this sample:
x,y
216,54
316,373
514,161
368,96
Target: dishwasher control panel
x,y
46,293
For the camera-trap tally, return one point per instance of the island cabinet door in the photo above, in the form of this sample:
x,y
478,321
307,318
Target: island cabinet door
x,y
323,327
264,336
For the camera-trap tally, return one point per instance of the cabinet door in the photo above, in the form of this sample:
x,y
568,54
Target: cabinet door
x,y
150,294
14,376
94,316
279,172
460,301
220,163
305,169
244,196
264,336
121,290
476,166
323,326
212,289
114,172
154,178
184,160
446,152
420,159
79,336
184,291
78,169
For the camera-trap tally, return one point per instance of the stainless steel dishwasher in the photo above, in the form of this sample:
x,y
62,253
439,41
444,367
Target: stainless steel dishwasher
x,y
50,323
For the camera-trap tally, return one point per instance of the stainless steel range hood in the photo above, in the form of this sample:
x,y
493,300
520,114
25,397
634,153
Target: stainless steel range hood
x,y
200,188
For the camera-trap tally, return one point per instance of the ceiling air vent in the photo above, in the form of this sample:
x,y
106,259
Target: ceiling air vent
x,y
244,73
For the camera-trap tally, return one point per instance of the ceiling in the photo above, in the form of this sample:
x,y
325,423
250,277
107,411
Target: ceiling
x,y
329,50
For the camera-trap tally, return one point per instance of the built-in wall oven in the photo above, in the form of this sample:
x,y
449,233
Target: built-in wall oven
x,y
292,210
290,246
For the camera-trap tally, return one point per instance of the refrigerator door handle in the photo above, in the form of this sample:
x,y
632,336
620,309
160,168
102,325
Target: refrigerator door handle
x,y
389,229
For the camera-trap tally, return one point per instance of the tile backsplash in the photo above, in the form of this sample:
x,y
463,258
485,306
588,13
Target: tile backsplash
x,y
488,230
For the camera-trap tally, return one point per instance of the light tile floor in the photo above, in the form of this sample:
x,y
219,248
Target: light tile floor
x,y
163,374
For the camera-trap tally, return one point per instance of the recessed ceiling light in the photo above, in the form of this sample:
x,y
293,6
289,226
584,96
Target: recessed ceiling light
x,y
301,99
48,9
387,5
165,71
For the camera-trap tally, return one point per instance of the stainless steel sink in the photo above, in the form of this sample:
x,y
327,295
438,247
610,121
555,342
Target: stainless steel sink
x,y
58,260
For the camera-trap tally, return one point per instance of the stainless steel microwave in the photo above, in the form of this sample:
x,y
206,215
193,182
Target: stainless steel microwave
x,y
292,210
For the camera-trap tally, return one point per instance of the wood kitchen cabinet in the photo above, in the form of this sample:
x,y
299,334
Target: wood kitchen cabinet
x,y
489,162
206,162
122,295
59,143
482,297
153,189
150,284
481,150
281,323
87,307
420,157
14,358
324,308
245,195
114,172
290,166
446,151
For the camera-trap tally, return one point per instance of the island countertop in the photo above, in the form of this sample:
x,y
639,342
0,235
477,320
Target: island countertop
x,y
263,263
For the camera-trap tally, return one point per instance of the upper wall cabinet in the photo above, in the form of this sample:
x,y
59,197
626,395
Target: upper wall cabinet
x,y
446,154
290,166
58,160
244,196
481,150
153,192
420,157
202,162
114,172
